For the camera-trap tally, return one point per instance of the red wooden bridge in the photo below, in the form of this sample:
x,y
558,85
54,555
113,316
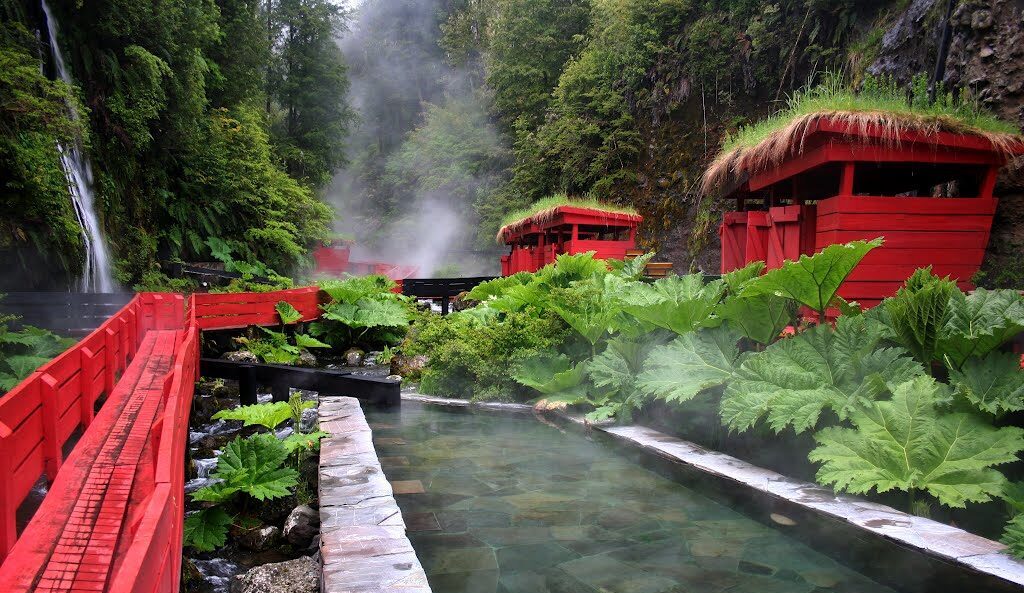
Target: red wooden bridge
x,y
106,425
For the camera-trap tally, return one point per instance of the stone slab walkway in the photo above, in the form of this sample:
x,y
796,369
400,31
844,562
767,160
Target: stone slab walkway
x,y
363,541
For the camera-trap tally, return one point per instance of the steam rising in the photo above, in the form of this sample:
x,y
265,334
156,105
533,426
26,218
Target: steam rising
x,y
402,201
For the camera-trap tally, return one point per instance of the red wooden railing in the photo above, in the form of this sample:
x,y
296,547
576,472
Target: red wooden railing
x,y
40,415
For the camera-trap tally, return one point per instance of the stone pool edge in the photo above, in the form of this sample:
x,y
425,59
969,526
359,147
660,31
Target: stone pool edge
x,y
954,545
363,542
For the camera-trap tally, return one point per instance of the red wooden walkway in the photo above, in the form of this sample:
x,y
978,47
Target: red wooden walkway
x,y
113,514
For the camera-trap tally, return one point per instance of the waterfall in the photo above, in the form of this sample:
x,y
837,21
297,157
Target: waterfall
x,y
97,276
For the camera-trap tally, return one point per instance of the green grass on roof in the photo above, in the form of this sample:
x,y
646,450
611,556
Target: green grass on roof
x,y
880,101
557,200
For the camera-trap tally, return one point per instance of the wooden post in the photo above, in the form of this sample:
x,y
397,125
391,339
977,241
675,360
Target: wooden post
x,y
247,385
988,183
109,361
86,374
846,181
51,443
8,506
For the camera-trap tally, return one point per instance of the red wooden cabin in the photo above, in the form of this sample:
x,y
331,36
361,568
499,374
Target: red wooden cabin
x,y
334,259
929,195
535,241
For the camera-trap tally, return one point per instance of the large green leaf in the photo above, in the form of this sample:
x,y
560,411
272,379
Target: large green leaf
x,y
589,306
979,323
908,444
253,465
497,287
266,415
551,375
792,381
690,364
994,384
207,530
618,366
303,441
287,313
24,365
813,280
760,318
307,341
736,279
352,290
367,313
918,312
677,303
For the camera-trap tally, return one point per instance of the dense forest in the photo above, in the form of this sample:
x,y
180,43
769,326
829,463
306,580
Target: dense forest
x,y
236,126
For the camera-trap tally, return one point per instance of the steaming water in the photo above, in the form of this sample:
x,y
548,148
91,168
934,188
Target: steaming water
x,y
97,276
217,573
495,503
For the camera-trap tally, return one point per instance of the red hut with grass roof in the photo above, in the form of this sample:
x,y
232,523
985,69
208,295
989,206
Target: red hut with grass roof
x,y
537,236
926,187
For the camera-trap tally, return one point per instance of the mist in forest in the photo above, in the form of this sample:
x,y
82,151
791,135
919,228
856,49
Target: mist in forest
x,y
404,196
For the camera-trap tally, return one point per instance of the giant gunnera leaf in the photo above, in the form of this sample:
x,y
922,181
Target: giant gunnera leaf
x,y
690,364
251,466
368,313
792,381
813,280
993,384
288,313
979,323
553,376
918,313
207,530
909,444
760,318
678,303
268,415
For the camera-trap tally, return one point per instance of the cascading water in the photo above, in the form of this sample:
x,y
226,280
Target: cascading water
x,y
97,276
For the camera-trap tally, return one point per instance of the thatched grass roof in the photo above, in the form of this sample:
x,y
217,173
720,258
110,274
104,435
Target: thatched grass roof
x,y
547,208
880,114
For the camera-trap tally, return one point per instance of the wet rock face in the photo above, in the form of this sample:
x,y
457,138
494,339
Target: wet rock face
x,y
301,575
307,422
408,365
260,539
306,359
301,526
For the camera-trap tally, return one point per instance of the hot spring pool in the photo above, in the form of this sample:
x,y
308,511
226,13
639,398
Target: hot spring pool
x,y
502,504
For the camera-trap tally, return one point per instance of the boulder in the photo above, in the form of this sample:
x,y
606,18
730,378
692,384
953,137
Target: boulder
x,y
241,356
308,420
408,366
354,357
301,575
301,526
306,359
260,539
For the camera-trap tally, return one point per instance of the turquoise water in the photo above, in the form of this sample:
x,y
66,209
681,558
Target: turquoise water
x,y
500,504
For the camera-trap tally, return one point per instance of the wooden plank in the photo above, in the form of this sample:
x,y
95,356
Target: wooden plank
x,y
900,273
886,255
887,205
896,222
907,239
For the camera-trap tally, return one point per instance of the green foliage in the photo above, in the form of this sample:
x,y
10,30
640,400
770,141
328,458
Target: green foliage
x,y
557,200
681,304
993,384
471,357
554,376
269,416
303,441
918,313
690,364
979,323
288,313
22,352
795,379
207,529
274,347
909,444
760,318
1013,536
813,280
252,466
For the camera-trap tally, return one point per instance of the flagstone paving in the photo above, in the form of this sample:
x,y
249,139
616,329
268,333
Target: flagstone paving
x,y
511,505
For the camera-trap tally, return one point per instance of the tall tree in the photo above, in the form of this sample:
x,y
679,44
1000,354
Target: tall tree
x,y
309,88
